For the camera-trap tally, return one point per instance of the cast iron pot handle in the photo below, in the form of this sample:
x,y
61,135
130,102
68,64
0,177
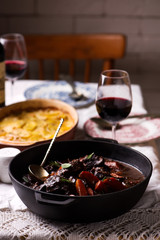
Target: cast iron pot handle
x,y
39,198
105,140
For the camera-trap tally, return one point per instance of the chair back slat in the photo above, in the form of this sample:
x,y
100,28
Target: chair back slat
x,y
41,68
108,64
87,70
72,68
56,69
87,47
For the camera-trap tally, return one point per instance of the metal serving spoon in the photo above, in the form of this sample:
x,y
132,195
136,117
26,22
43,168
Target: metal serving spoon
x,y
74,94
37,170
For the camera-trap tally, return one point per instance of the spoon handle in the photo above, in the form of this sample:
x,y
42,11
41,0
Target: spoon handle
x,y
51,143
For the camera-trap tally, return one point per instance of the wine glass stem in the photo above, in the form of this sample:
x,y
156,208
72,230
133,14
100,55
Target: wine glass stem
x,y
114,131
12,88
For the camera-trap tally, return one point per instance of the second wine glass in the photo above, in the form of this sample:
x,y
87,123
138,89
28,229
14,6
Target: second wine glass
x,y
114,97
15,57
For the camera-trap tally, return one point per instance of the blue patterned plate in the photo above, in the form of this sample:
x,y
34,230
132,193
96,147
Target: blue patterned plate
x,y
60,90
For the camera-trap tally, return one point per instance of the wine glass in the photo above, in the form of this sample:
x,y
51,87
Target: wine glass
x,y
15,57
114,97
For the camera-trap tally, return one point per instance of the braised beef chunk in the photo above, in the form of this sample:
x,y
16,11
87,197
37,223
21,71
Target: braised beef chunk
x,y
100,172
116,168
58,185
28,180
53,166
87,175
92,161
63,172
114,165
76,166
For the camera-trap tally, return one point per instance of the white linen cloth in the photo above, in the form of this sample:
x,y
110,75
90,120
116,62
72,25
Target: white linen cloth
x,y
17,222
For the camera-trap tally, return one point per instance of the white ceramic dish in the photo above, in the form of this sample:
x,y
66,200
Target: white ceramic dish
x,y
6,155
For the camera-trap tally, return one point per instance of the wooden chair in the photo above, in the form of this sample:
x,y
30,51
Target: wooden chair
x,y
107,47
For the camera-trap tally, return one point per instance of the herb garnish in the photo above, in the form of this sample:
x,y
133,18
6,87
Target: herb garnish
x,y
65,180
89,156
25,179
65,165
55,164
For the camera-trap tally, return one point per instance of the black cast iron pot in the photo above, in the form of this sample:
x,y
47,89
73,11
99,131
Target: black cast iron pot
x,y
76,208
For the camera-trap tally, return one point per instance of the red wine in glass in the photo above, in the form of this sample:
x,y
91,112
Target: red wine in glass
x,y
114,97
15,68
113,109
15,57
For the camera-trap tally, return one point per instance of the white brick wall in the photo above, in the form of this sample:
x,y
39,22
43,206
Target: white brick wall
x,y
107,25
70,7
124,7
16,7
41,25
139,20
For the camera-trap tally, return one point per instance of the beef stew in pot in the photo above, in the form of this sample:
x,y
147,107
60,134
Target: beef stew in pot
x,y
87,175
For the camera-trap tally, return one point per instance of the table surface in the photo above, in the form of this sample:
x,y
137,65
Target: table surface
x,y
141,222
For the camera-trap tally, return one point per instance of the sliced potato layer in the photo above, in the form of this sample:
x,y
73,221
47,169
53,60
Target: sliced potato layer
x,y
34,125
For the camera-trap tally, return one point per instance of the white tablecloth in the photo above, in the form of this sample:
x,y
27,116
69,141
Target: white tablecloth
x,y
142,222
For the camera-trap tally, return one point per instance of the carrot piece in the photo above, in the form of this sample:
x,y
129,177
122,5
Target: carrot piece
x,y
114,183
101,187
89,177
90,191
59,169
80,188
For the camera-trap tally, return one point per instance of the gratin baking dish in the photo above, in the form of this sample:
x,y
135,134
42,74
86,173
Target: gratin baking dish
x,y
37,104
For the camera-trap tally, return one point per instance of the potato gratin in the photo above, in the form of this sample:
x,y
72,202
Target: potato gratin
x,y
34,125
